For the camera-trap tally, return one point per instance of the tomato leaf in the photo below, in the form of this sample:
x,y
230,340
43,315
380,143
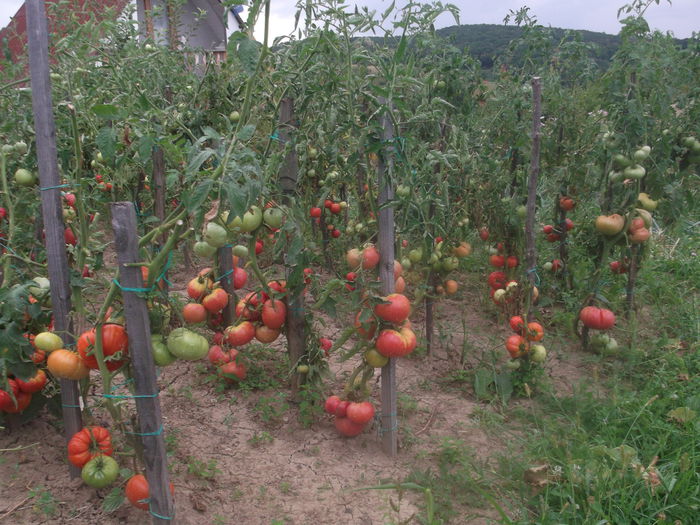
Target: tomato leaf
x,y
482,379
106,111
504,386
113,500
246,133
106,141
194,200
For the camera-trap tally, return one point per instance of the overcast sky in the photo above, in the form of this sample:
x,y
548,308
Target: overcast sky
x,y
682,17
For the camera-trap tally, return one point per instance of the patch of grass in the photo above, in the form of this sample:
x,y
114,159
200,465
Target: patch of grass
x,y
631,456
455,481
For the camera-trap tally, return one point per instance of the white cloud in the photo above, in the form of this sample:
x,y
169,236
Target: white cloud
x,y
8,8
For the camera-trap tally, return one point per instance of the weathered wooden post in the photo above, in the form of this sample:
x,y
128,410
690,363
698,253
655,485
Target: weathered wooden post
x,y
389,425
52,212
146,388
530,253
288,177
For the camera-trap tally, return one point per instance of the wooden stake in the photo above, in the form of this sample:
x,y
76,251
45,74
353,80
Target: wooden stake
x,y
52,212
295,324
530,252
143,368
389,420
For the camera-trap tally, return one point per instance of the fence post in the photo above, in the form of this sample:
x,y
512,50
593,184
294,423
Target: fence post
x,y
52,212
295,332
389,425
143,367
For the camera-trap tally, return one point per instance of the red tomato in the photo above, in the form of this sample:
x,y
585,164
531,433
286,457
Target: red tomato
x,y
315,212
497,261
232,371
137,491
516,345
331,404
395,310
114,339
360,413
274,313
341,408
517,324
597,318
88,443
484,234
535,332
35,384
347,427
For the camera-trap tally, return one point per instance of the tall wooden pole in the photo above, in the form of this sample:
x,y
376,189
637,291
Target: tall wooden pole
x,y
52,212
389,420
530,253
143,367
296,336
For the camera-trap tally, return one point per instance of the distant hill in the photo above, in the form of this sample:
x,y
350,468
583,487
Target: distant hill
x,y
485,42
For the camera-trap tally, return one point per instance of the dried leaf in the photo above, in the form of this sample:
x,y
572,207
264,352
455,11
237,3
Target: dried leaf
x,y
538,476
682,415
213,212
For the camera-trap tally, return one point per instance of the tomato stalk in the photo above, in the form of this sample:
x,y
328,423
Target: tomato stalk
x,y
9,204
82,216
253,262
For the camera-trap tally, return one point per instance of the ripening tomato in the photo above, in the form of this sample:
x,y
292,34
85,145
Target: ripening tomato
x,y
360,413
597,318
137,491
331,404
535,331
516,345
347,427
274,313
194,313
114,340
566,203
395,310
88,443
517,324
34,384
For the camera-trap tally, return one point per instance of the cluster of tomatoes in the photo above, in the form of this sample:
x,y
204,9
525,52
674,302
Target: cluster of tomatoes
x,y
91,450
525,341
19,393
350,417
601,320
333,208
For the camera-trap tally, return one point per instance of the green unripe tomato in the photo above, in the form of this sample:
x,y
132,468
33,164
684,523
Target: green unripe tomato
x,y
240,251
235,116
204,249
24,177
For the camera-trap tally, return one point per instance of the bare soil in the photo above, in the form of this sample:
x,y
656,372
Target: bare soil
x,y
234,462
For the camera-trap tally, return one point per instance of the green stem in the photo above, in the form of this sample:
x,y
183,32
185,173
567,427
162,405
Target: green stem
x,y
82,216
9,205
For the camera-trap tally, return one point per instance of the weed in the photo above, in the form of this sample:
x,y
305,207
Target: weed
x,y
406,404
271,409
310,405
202,469
259,439
43,501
